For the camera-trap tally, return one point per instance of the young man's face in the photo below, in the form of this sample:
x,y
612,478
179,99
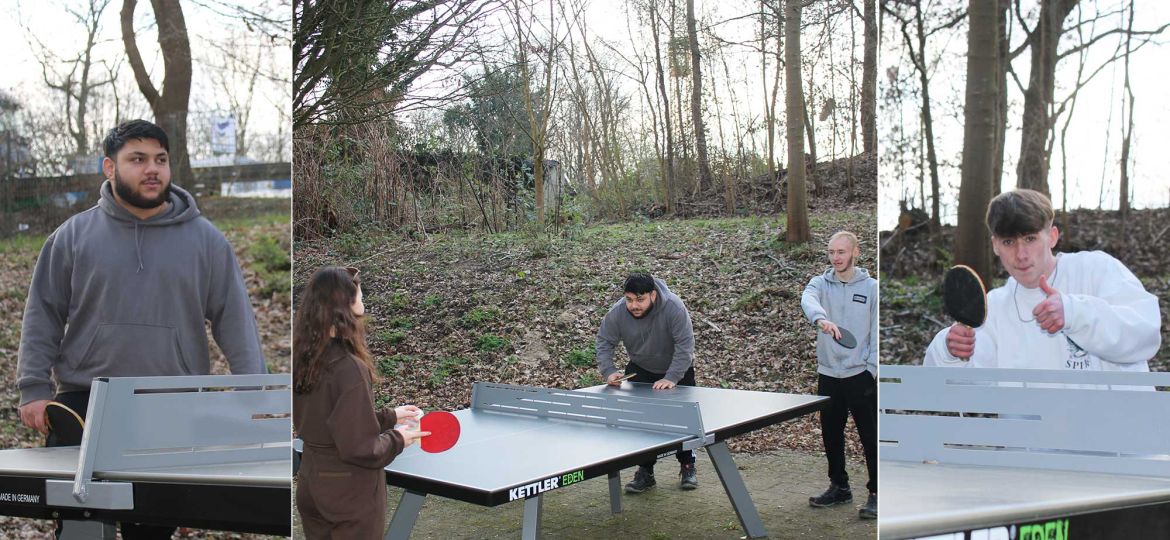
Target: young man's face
x,y
843,254
1028,256
639,304
141,172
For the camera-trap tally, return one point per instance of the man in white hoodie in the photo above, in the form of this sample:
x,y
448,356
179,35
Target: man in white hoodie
x,y
1081,310
845,297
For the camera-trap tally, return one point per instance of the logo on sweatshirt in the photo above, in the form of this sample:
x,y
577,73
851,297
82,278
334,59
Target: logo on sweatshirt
x,y
860,298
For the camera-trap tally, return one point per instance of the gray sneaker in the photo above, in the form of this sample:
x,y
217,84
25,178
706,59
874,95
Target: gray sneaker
x,y
643,480
687,475
869,511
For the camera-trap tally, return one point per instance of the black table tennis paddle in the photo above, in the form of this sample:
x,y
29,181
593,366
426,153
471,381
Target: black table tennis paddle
x,y
847,340
964,296
65,424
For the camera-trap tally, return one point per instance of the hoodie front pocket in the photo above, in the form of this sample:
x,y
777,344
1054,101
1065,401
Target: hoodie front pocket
x,y
133,350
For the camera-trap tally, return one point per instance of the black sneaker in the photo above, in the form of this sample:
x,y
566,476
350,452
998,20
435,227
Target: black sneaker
x,y
688,478
869,511
831,497
643,480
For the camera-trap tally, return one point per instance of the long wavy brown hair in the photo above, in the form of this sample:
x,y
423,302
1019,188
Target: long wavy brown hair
x,y
326,315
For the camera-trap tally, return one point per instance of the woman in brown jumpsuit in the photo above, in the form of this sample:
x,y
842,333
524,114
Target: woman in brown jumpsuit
x,y
341,491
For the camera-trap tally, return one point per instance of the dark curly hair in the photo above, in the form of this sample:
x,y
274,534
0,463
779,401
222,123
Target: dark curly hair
x,y
326,315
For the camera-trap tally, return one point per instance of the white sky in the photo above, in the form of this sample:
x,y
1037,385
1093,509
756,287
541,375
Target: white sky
x,y
1094,137
47,19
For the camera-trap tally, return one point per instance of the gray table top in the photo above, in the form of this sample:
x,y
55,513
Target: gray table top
x,y
500,450
920,499
61,463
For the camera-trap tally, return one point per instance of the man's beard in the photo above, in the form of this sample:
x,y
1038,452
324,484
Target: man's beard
x,y
133,199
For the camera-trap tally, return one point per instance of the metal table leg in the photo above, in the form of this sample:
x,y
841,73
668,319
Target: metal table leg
x,y
741,500
405,515
88,530
532,510
615,492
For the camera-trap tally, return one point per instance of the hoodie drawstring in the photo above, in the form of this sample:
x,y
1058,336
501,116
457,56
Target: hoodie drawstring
x,y
138,248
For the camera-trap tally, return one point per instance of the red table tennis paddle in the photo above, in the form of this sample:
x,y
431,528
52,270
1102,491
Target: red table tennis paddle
x,y
444,429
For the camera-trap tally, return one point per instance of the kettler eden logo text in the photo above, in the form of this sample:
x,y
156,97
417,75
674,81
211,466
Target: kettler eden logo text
x,y
541,486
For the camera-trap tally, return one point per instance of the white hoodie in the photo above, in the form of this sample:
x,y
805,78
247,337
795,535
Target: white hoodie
x,y
1110,322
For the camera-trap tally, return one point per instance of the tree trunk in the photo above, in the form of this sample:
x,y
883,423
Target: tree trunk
x,y
919,61
670,179
1123,204
705,179
169,106
1032,168
798,227
972,243
1002,106
869,81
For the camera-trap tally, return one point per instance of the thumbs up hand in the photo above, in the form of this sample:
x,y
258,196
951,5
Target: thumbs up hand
x,y
1049,313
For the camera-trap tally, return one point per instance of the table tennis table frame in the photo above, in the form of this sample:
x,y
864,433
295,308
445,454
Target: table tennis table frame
x,y
415,490
252,414
1024,423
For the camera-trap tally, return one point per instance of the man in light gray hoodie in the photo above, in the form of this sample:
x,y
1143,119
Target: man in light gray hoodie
x,y
655,327
845,297
124,288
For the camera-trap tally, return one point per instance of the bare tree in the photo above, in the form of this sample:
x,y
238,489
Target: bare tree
x,y
538,102
980,113
705,179
671,182
798,225
78,88
170,104
869,80
1127,136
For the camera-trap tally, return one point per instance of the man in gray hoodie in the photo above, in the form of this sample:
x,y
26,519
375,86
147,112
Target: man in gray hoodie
x,y
124,288
655,327
845,297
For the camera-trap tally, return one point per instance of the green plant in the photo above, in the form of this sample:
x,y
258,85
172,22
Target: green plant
x,y
271,263
432,300
582,357
751,301
443,370
392,337
490,342
401,322
388,365
589,378
478,316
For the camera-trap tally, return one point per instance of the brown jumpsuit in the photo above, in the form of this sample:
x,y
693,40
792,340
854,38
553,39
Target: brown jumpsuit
x,y
341,491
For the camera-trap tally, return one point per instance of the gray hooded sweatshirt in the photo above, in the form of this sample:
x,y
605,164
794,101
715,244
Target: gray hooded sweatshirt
x,y
113,295
662,341
852,306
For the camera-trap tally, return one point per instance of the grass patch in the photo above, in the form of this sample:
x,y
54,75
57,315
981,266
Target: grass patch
x,y
478,316
583,357
392,337
388,365
432,300
490,342
403,323
444,369
589,378
243,223
752,301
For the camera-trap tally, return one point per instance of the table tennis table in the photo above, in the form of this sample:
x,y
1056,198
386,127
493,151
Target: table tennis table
x,y
969,453
209,452
519,442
